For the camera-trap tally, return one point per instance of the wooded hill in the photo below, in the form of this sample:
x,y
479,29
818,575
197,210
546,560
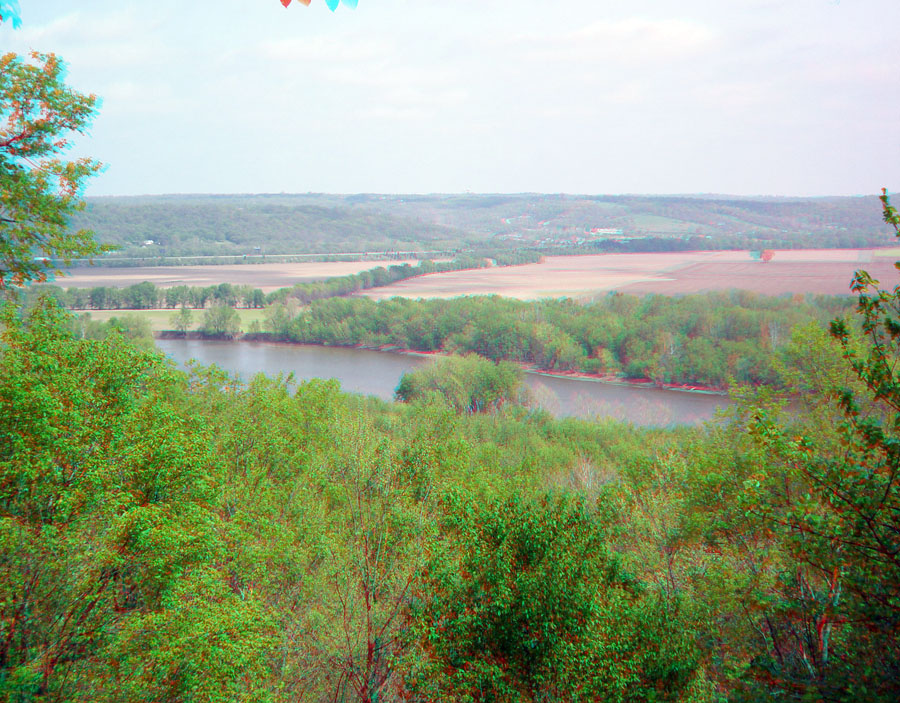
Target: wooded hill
x,y
195,538
255,225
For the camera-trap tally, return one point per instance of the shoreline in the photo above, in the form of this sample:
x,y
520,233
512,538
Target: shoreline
x,y
606,379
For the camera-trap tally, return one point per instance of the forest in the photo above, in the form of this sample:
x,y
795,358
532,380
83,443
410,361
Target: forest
x,y
257,225
714,340
711,340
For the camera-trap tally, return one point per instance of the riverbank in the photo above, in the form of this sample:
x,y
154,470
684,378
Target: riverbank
x,y
378,372
608,379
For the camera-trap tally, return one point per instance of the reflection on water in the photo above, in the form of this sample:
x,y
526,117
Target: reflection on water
x,y
378,373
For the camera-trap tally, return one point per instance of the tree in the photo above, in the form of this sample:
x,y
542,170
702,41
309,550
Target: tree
x,y
526,603
9,10
221,321
38,190
469,383
183,319
766,255
836,511
110,586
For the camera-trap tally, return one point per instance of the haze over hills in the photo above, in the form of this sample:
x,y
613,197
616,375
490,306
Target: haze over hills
x,y
213,225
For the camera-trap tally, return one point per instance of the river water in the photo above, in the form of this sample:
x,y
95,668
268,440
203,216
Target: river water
x,y
378,373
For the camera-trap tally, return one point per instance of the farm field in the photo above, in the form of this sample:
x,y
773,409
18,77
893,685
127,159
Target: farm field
x,y
824,271
268,277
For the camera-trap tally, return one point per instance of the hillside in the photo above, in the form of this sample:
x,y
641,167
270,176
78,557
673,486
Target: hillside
x,y
256,225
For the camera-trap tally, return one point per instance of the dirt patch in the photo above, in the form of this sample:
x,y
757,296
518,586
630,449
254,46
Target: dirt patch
x,y
268,277
790,271
773,278
555,276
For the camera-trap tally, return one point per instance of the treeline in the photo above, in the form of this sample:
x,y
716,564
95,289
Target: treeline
x,y
338,286
712,339
146,295
198,538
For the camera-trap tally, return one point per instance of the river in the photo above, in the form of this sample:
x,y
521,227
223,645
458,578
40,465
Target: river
x,y
378,373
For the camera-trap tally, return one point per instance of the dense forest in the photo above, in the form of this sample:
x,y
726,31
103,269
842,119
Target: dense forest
x,y
712,339
192,537
148,229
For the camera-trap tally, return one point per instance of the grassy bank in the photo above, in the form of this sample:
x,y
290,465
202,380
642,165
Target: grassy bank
x,y
161,319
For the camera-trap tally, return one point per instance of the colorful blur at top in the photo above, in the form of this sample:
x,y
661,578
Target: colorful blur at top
x,y
9,11
332,4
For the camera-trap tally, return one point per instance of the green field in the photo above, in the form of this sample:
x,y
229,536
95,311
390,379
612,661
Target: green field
x,y
162,319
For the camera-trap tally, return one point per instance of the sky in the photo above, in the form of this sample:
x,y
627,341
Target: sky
x,y
747,97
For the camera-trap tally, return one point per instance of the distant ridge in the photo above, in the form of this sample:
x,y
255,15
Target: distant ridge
x,y
279,223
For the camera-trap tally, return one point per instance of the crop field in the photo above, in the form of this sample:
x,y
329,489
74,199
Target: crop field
x,y
825,271
268,277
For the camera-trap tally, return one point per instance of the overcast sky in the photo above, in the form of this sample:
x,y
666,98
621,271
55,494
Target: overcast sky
x,y
792,97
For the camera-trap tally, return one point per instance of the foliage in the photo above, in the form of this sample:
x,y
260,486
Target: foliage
x,y
221,321
468,384
9,10
332,4
792,517
194,537
38,190
706,339
183,319
527,604
107,534
259,227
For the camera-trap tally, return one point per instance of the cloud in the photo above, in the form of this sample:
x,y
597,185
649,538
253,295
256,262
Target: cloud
x,y
333,50
151,97
379,79
736,95
120,40
621,41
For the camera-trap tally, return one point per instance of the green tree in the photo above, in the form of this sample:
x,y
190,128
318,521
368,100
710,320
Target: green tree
x,y
836,513
183,319
221,321
110,586
469,383
38,190
527,604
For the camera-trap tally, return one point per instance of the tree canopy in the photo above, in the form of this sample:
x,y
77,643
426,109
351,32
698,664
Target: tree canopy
x,y
39,190
9,10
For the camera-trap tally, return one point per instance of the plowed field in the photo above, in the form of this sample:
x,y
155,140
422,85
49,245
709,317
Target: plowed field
x,y
790,271
268,277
